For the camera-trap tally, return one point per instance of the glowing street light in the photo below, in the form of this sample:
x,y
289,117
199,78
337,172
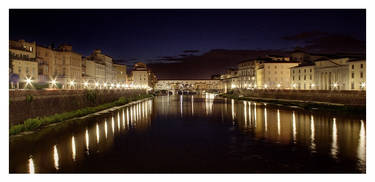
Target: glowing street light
x,y
278,85
28,82
118,85
85,83
71,83
294,85
265,85
335,85
53,83
312,85
363,84
96,84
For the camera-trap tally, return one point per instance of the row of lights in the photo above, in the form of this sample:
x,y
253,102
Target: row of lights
x,y
294,85
72,83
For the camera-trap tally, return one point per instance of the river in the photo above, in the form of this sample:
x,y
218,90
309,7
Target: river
x,y
197,134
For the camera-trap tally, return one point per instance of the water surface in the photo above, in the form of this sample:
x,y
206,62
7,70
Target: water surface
x,y
197,133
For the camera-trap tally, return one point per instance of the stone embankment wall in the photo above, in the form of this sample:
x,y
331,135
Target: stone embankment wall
x,y
353,98
24,104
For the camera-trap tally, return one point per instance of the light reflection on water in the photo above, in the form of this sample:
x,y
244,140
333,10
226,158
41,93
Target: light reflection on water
x,y
31,165
338,137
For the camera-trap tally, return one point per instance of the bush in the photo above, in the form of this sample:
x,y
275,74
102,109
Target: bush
x,y
31,124
16,129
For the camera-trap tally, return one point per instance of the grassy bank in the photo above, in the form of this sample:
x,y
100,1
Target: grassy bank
x,y
334,107
35,123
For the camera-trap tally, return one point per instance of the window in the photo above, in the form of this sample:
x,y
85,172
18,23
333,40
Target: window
x,y
293,77
361,74
310,70
304,77
353,75
361,65
352,85
275,67
293,71
305,70
353,66
310,77
299,71
299,77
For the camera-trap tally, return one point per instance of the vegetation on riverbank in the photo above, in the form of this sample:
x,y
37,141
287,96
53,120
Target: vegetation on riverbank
x,y
303,104
35,123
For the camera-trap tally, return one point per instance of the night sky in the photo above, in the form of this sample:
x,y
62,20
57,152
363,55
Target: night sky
x,y
189,44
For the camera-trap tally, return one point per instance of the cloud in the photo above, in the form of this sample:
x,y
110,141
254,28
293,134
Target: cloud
x,y
303,36
191,51
321,42
205,65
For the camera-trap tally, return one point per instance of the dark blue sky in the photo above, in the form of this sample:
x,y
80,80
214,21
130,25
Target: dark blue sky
x,y
146,35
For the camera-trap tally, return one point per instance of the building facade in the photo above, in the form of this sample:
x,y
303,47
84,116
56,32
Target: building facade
x,y
303,77
357,74
22,62
61,64
275,74
120,73
99,57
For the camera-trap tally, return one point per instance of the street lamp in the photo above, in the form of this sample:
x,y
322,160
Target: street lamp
x,y
278,85
96,84
363,85
335,85
85,83
53,83
28,81
294,85
265,85
312,85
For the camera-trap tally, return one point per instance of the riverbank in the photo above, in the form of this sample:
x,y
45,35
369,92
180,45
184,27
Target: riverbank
x,y
315,105
33,124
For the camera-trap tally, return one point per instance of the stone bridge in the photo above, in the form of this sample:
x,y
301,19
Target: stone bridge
x,y
186,86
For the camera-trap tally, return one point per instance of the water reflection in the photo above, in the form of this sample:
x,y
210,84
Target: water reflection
x,y
255,115
113,126
73,149
97,133
337,137
265,118
31,165
278,122
294,127
312,126
192,105
361,151
105,129
56,157
334,147
245,112
87,141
